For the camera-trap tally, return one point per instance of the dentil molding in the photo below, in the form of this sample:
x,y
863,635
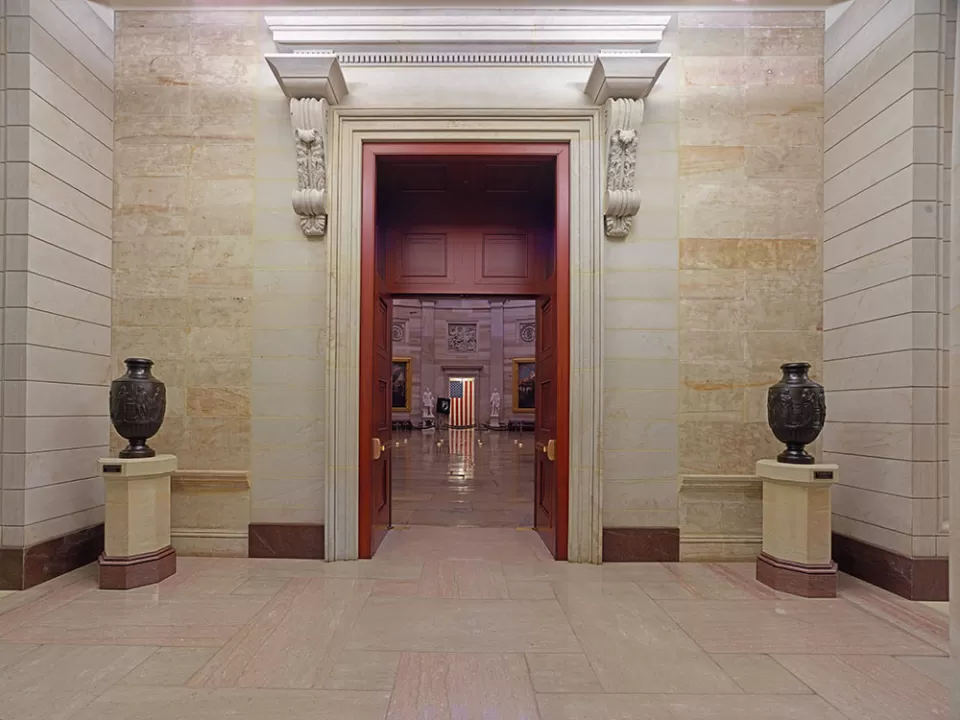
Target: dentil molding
x,y
621,200
620,47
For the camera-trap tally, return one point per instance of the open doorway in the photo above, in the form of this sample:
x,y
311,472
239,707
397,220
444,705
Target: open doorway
x,y
464,399
454,224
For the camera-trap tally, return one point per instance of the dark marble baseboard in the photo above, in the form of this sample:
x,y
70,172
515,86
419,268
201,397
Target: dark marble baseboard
x,y
811,581
22,568
126,573
646,544
304,541
922,578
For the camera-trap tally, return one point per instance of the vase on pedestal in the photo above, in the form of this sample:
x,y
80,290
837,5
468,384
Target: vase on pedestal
x,y
796,410
138,402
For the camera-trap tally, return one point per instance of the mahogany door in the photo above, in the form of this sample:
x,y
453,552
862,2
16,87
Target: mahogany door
x,y
380,431
545,423
376,391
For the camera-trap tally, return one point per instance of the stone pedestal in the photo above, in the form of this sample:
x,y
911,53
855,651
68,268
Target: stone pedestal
x,y
137,548
796,555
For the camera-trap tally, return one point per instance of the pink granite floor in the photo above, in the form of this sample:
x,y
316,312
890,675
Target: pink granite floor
x,y
463,478
463,623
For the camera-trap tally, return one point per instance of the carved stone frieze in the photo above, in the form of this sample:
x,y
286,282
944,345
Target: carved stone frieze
x,y
308,116
621,201
462,337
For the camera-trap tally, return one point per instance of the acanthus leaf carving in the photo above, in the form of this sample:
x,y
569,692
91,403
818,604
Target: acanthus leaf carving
x,y
621,200
309,119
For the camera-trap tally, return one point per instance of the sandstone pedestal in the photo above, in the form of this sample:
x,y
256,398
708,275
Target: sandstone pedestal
x,y
796,555
137,548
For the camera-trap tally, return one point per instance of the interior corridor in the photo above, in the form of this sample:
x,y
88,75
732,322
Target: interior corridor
x,y
466,623
463,478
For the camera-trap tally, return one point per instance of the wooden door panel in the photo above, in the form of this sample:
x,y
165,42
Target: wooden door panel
x,y
424,256
545,426
503,256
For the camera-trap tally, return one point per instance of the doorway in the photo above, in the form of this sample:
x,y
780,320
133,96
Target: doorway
x,y
454,220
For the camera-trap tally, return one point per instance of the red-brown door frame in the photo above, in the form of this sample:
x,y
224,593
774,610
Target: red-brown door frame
x,y
368,236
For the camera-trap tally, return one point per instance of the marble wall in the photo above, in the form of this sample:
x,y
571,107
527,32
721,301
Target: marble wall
x,y
58,110
214,279
888,68
718,283
423,327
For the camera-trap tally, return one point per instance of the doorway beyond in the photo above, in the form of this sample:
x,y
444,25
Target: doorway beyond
x,y
463,411
449,221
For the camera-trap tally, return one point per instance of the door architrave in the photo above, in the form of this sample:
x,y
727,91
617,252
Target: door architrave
x,y
354,132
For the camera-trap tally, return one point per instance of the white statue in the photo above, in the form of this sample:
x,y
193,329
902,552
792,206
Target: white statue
x,y
495,404
428,401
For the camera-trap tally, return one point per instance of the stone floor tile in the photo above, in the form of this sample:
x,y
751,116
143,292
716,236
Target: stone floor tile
x,y
917,619
363,670
790,627
634,646
170,666
562,673
258,585
462,685
760,675
441,625
941,669
871,687
54,682
127,702
685,707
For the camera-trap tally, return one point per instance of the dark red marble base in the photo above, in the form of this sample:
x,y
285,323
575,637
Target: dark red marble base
x,y
641,544
303,541
921,578
136,571
811,581
22,568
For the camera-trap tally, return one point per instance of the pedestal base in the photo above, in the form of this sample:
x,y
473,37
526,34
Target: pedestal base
x,y
811,581
125,573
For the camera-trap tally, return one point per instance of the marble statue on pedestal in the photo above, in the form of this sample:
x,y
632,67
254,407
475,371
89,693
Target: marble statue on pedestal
x,y
495,408
428,401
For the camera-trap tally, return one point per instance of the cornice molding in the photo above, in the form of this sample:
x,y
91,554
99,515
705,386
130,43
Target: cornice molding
x,y
473,30
620,47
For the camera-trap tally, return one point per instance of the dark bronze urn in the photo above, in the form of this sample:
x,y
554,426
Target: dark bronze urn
x,y
796,410
138,402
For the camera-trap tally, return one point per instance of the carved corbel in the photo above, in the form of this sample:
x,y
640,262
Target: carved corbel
x,y
621,201
309,118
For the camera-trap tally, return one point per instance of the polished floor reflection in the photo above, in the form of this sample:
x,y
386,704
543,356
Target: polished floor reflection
x,y
463,478
466,624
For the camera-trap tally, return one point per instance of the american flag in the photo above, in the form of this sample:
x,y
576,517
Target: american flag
x,y
461,401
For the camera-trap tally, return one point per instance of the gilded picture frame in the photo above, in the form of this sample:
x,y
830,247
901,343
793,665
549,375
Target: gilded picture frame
x,y
402,384
524,385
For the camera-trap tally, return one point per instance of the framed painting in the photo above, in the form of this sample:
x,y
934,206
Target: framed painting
x,y
402,384
524,385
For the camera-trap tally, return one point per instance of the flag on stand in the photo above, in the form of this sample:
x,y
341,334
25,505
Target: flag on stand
x,y
461,401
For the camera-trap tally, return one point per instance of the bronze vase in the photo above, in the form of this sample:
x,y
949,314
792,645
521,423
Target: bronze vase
x,y
796,410
138,402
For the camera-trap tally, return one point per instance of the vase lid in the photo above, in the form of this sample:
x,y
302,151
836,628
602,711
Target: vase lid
x,y
795,366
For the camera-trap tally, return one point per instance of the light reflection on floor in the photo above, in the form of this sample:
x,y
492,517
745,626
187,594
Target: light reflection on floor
x,y
463,478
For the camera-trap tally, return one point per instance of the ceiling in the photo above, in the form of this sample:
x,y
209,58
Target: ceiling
x,y
275,5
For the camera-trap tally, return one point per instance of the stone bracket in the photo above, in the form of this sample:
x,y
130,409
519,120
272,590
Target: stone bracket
x,y
621,200
308,116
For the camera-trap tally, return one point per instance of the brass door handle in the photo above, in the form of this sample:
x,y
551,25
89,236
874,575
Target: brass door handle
x,y
378,448
550,450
